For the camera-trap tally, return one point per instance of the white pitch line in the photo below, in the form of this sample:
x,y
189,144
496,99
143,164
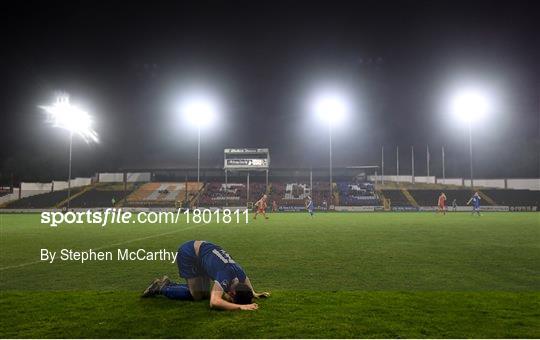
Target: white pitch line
x,y
108,246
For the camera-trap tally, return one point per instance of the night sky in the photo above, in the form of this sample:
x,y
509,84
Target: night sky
x,y
129,62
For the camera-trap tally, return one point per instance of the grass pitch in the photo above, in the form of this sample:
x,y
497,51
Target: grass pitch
x,y
383,275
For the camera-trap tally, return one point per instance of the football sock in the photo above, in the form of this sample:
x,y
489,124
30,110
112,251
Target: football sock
x,y
177,292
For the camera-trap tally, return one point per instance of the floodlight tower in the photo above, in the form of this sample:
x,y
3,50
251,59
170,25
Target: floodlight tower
x,y
200,112
69,117
331,109
470,105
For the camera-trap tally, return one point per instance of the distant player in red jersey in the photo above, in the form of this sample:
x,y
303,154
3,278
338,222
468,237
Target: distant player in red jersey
x,y
261,207
442,203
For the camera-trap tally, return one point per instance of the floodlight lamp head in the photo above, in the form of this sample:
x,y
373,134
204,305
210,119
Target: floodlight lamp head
x,y
200,112
470,105
330,108
69,117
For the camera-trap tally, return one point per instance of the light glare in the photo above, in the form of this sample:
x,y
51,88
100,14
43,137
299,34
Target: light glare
x,y
330,108
470,105
64,115
199,111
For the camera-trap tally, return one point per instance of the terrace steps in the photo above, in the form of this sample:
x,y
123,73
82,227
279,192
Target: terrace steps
x,y
409,197
77,194
486,198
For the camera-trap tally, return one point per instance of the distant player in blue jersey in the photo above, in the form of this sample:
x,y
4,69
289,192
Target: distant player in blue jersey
x,y
310,206
476,203
211,273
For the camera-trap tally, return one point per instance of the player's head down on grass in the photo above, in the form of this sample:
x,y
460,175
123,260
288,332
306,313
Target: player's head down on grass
x,y
241,293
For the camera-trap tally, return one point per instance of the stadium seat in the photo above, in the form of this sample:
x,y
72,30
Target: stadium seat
x,y
512,197
396,197
46,200
357,194
425,197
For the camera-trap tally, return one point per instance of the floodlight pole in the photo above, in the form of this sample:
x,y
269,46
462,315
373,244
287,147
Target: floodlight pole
x,y
443,172
330,140
69,169
382,164
397,163
198,161
198,153
470,154
226,189
412,164
427,159
311,181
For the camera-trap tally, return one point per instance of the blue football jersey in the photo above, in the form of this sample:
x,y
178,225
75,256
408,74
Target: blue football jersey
x,y
219,266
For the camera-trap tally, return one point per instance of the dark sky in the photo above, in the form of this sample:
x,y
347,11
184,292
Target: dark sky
x,y
398,61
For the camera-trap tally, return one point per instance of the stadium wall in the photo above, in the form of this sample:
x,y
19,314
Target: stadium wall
x,y
406,179
59,185
425,179
450,181
77,182
110,177
116,177
531,184
499,183
11,197
391,178
30,189
487,183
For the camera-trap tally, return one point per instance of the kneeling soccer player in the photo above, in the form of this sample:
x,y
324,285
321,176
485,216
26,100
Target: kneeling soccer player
x,y
201,262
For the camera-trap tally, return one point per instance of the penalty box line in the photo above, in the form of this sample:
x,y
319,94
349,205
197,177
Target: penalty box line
x,y
112,245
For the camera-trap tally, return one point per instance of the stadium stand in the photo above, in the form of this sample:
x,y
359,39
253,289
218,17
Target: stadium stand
x,y
296,191
277,191
256,190
357,194
46,200
163,193
286,194
321,194
217,193
294,194
143,192
425,197
396,197
289,194
514,197
95,198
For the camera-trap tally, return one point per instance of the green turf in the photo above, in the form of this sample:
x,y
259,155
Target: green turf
x,y
337,275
